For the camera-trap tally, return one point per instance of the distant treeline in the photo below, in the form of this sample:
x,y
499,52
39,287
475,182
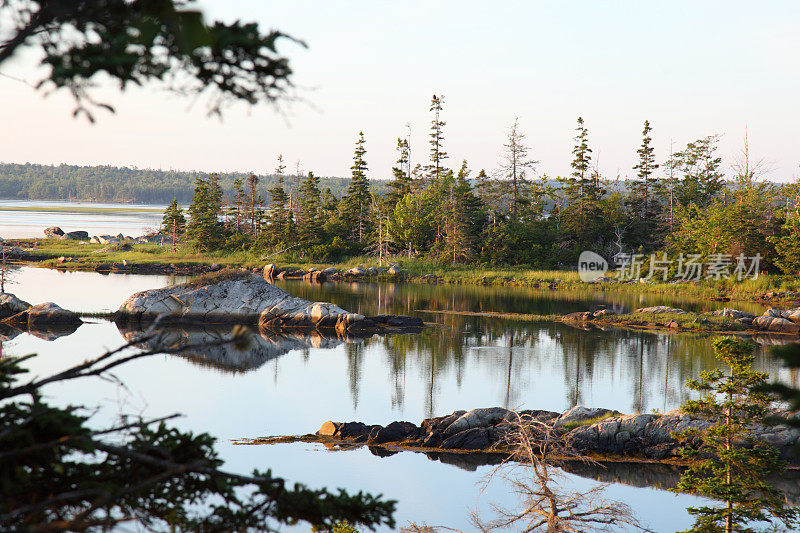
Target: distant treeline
x,y
30,181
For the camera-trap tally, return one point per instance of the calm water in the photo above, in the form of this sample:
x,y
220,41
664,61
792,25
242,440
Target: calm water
x,y
39,214
460,362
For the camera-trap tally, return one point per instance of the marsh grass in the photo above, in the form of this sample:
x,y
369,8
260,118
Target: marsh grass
x,y
415,269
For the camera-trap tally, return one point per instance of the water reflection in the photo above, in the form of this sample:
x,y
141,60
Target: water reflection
x,y
214,346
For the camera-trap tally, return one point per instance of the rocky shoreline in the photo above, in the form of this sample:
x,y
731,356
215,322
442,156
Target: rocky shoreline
x,y
590,431
236,297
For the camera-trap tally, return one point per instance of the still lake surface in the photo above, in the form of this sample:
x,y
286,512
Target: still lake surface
x,y
461,362
23,219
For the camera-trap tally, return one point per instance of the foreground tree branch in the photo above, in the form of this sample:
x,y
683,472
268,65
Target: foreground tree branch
x,y
58,474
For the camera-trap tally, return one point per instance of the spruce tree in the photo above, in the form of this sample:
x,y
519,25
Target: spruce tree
x,y
435,169
515,163
358,199
644,170
729,464
401,184
309,225
173,221
205,228
254,206
278,217
237,205
641,200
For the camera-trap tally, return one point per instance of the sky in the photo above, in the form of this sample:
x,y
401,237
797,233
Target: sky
x,y
691,68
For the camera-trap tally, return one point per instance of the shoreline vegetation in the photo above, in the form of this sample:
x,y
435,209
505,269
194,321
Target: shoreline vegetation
x,y
768,289
154,258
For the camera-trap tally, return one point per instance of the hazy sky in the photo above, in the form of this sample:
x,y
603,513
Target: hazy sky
x,y
691,68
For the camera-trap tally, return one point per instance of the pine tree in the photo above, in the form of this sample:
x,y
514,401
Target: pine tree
x,y
236,208
358,199
435,169
279,213
729,465
173,223
702,179
309,225
515,162
401,184
254,206
582,155
644,170
581,219
641,200
204,227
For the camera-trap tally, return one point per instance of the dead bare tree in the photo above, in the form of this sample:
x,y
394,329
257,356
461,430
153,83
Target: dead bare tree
x,y
533,473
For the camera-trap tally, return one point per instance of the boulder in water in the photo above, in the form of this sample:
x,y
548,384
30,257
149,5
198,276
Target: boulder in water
x,y
53,232
11,305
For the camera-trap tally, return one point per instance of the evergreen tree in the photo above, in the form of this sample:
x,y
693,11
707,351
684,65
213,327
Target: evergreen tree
x,y
173,223
581,220
515,162
641,201
401,184
279,213
236,207
644,170
435,169
205,228
309,225
702,179
254,206
582,156
729,465
357,201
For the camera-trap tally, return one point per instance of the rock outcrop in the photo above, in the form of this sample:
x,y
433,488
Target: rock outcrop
x,y
49,314
11,305
75,236
588,431
243,297
53,232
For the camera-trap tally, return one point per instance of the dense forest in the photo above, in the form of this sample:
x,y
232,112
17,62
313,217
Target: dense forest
x,y
31,181
681,205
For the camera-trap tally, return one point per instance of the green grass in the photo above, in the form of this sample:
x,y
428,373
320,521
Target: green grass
x,y
88,255
691,321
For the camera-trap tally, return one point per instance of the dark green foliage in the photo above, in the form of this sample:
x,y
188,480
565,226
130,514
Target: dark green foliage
x,y
58,473
435,168
698,167
357,202
309,223
401,182
122,184
134,42
730,465
173,223
644,207
205,229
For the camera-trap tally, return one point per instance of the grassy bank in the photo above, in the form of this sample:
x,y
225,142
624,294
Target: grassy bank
x,y
88,256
